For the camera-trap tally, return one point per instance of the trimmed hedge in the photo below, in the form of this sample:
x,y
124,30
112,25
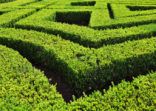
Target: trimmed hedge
x,y
126,22
23,87
51,51
139,95
45,22
121,11
4,1
83,68
26,88
85,3
142,7
94,65
15,4
8,19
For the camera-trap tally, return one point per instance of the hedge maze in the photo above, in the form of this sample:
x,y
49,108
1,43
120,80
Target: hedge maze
x,y
101,51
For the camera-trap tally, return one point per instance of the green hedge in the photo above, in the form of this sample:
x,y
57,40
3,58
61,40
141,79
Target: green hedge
x,y
51,51
26,88
126,22
4,1
121,11
8,19
23,87
83,68
142,7
45,21
85,3
15,4
138,95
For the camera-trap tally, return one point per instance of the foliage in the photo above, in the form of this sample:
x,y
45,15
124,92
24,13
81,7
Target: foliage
x,y
91,43
24,87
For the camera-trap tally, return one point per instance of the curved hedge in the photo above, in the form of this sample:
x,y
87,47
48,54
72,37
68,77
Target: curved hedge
x,y
89,59
83,68
23,87
139,95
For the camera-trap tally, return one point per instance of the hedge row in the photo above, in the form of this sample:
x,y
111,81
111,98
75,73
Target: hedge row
x,y
4,1
38,4
67,4
26,88
14,4
131,2
125,22
85,3
142,7
45,21
23,87
77,4
139,95
101,16
9,18
83,68
40,48
123,10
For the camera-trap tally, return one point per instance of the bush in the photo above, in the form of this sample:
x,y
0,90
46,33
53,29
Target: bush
x,y
83,68
23,87
4,1
138,95
26,88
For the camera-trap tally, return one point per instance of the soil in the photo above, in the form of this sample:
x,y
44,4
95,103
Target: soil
x,y
56,79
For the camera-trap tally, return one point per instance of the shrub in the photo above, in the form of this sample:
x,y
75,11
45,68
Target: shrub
x,y
23,87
